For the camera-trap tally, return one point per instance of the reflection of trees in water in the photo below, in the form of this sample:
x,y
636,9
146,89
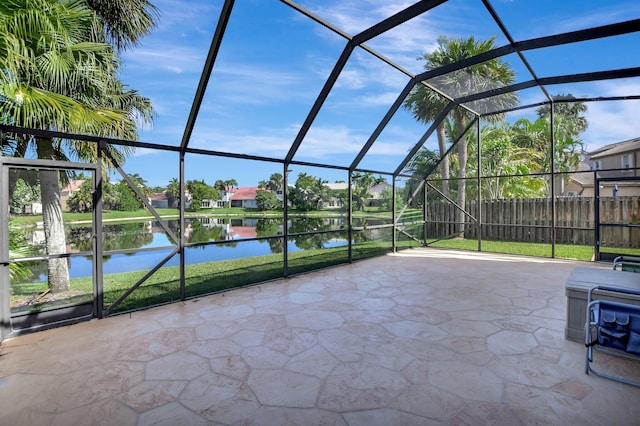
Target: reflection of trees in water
x,y
114,236
201,233
271,228
131,235
268,227
310,224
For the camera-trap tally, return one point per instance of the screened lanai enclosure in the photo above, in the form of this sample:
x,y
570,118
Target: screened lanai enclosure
x,y
243,141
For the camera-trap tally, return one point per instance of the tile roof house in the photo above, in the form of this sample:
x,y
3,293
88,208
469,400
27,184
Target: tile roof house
x,y
245,197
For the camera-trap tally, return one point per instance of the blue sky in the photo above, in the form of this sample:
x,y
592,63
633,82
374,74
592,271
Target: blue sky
x,y
273,63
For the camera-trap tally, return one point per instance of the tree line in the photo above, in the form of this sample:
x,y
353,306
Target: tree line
x,y
510,153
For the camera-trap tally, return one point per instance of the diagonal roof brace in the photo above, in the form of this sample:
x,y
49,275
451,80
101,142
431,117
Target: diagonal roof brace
x,y
537,43
397,19
216,42
385,120
570,78
391,22
424,137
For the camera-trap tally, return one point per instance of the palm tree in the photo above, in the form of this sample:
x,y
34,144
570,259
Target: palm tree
x,y
141,184
276,182
477,78
58,73
18,247
569,122
173,192
421,165
506,165
426,105
361,184
125,21
572,120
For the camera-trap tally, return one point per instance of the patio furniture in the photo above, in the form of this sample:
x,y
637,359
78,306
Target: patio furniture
x,y
627,263
614,326
583,279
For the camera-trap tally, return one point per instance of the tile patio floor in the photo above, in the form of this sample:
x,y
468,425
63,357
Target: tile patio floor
x,y
421,337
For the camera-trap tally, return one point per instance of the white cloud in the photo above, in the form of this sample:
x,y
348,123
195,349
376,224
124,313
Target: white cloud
x,y
613,121
378,99
402,44
599,13
174,58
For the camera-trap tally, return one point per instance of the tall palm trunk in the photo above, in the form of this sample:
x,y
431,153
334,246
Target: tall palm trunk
x,y
55,240
444,160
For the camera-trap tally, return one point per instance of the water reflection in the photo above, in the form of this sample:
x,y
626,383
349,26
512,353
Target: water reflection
x,y
229,233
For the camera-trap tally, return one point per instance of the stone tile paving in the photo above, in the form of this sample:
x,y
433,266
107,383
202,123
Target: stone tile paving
x,y
417,338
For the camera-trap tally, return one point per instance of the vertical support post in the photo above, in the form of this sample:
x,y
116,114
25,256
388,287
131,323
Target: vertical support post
x,y
98,270
285,226
350,215
553,180
393,214
181,242
596,214
424,212
5,311
479,183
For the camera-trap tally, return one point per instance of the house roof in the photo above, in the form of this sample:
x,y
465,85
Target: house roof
x,y
159,196
73,185
379,187
615,148
247,193
336,186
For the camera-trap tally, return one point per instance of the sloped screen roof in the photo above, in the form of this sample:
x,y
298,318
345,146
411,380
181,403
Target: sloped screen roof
x,y
322,84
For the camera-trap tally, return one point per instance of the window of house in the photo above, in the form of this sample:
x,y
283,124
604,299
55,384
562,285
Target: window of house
x,y
596,165
627,162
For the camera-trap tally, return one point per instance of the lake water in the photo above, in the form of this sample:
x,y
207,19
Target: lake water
x,y
231,235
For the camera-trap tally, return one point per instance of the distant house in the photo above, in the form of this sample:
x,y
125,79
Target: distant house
x,y
617,161
159,200
73,186
245,197
335,202
225,197
579,184
623,156
376,193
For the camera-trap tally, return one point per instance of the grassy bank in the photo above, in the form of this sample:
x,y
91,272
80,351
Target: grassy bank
x,y
211,277
204,278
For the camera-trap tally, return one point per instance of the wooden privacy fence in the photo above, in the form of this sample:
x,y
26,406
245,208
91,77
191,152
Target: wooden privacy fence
x,y
530,220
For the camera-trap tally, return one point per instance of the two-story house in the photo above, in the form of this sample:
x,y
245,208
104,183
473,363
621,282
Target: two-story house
x,y
618,161
623,156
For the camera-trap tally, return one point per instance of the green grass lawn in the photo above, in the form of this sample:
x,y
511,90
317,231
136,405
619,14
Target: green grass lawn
x,y
205,278
564,251
211,277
